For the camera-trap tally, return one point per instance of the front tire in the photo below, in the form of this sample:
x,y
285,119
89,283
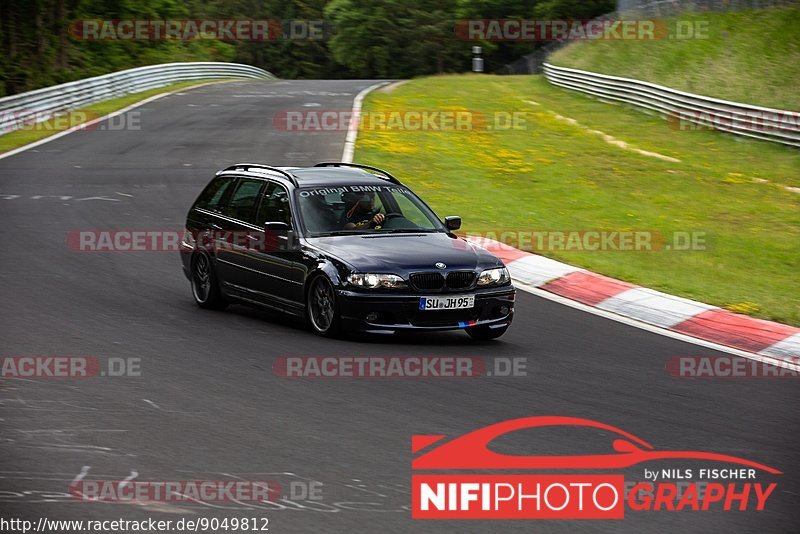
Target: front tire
x,y
205,287
484,333
322,308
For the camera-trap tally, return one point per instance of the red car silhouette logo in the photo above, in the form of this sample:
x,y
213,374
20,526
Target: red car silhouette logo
x,y
470,450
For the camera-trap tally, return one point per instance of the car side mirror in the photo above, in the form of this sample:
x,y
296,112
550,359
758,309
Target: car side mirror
x,y
280,236
452,223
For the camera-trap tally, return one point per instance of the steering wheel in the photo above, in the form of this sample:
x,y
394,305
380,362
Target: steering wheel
x,y
392,215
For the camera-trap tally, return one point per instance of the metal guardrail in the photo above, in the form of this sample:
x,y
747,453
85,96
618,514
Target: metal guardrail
x,y
768,124
41,104
669,8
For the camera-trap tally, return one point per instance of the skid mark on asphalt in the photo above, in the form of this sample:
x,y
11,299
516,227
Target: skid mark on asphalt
x,y
63,197
153,404
49,405
64,440
60,406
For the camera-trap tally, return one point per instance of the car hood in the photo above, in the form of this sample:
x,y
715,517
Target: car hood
x,y
398,253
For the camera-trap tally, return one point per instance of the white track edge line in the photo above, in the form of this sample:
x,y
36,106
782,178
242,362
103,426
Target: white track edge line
x,y
778,362
352,130
113,114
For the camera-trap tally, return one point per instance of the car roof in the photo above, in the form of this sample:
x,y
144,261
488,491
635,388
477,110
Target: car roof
x,y
333,176
318,176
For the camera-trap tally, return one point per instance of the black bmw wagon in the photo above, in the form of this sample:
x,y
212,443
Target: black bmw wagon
x,y
346,246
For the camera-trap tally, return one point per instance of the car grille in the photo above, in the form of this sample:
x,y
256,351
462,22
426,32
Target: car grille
x,y
460,279
427,281
436,281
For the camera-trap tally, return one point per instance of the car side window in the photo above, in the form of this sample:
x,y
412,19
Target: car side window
x,y
243,202
213,195
275,205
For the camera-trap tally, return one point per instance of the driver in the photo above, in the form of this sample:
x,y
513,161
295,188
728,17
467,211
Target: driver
x,y
362,212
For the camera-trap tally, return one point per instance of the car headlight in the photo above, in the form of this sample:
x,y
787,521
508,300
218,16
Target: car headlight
x,y
375,280
494,277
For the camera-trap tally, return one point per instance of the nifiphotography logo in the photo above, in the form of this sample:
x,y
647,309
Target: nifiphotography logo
x,y
572,495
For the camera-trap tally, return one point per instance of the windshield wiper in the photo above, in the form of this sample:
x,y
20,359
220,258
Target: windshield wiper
x,y
376,233
339,232
408,231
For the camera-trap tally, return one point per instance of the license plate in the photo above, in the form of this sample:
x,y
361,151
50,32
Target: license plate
x,y
446,303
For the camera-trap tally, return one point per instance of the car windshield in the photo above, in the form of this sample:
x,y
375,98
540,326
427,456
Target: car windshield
x,y
360,209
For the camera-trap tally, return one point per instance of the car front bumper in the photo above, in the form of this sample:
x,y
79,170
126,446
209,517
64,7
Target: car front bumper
x,y
387,313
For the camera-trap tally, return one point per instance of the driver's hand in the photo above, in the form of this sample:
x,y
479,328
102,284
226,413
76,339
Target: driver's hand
x,y
378,219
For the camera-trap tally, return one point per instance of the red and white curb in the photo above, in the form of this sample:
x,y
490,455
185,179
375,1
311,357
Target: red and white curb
x,y
769,340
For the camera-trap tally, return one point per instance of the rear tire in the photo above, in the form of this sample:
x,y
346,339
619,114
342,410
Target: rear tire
x,y
322,307
484,333
205,287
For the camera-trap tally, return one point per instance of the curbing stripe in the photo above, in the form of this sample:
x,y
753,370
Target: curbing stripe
x,y
738,331
538,270
653,307
669,315
587,287
787,348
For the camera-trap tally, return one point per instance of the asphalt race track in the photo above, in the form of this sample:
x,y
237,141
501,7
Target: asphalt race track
x,y
208,404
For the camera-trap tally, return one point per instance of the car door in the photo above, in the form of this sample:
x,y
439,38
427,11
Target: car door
x,y
276,258
235,230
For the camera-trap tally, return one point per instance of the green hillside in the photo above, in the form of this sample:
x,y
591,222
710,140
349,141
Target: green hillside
x,y
748,56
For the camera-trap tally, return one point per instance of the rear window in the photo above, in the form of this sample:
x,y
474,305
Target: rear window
x,y
214,193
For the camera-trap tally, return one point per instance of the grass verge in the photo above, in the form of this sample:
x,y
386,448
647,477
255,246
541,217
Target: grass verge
x,y
32,133
555,175
759,49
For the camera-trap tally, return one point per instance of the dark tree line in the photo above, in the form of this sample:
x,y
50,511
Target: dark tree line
x,y
362,38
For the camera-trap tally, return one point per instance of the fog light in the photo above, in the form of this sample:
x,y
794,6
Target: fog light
x,y
503,310
372,317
